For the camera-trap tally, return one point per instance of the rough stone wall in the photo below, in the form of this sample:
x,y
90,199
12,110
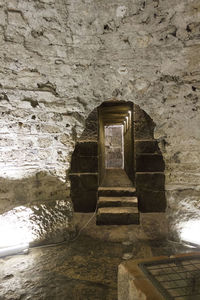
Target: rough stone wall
x,y
61,58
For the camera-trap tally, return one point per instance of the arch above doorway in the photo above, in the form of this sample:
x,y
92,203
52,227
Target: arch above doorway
x,y
144,163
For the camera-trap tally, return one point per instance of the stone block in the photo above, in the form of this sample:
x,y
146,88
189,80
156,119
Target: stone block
x,y
151,201
150,181
84,181
116,191
147,147
81,164
84,192
86,202
149,163
117,216
117,202
86,149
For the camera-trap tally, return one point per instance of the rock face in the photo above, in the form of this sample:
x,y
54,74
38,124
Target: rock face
x,y
61,59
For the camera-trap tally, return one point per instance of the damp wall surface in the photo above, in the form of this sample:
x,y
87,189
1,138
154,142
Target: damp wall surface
x,y
61,59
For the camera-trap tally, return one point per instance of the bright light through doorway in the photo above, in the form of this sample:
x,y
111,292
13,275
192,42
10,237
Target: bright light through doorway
x,y
114,147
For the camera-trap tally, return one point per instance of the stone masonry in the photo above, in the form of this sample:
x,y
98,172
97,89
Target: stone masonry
x,y
60,59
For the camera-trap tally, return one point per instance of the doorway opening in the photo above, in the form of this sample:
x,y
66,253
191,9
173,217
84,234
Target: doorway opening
x,y
114,146
117,201
117,156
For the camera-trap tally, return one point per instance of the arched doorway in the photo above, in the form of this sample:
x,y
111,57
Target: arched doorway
x,y
137,156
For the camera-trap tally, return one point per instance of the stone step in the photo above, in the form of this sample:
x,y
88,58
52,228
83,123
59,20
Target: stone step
x,y
116,191
117,216
117,202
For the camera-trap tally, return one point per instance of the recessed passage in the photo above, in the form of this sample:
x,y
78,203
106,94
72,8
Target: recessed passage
x,y
114,153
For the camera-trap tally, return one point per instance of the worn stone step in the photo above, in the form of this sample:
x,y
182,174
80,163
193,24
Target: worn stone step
x,y
117,202
117,216
116,191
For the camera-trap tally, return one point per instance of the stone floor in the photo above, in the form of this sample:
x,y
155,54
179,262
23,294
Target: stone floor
x,y
116,177
80,270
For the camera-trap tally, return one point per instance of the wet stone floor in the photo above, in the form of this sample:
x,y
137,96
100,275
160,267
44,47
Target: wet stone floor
x,y
85,269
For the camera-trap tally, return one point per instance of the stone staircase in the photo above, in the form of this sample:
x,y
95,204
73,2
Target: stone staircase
x,y
117,206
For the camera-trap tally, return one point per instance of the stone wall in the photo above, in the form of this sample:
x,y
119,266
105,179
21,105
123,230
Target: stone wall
x,y
61,59
150,166
84,167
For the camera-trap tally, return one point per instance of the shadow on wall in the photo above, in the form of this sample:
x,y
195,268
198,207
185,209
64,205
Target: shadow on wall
x,y
39,205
